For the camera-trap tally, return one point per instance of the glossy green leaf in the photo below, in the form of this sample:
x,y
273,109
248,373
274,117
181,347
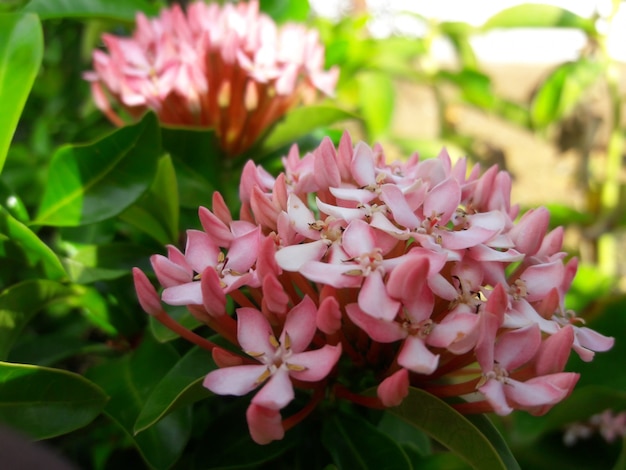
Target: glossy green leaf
x,y
404,433
566,86
376,101
21,50
90,183
129,381
455,431
95,308
36,251
157,212
19,304
122,10
356,444
181,386
44,402
299,122
198,161
51,348
538,15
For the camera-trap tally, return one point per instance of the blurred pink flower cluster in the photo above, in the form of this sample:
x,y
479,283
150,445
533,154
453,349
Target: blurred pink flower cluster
x,y
413,273
609,424
228,67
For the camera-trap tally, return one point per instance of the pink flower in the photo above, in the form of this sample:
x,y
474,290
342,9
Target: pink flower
x,y
230,68
280,359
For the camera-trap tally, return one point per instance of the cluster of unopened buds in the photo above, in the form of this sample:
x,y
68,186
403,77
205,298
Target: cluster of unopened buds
x,y
229,68
413,273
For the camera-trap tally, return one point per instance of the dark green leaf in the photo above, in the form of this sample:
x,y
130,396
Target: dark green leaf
x,y
537,15
355,444
90,183
156,213
123,10
566,86
37,252
199,162
51,348
20,303
404,433
44,402
96,309
129,381
21,50
299,122
180,387
455,431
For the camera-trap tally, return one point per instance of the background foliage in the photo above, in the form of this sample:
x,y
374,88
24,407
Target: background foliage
x,y
82,203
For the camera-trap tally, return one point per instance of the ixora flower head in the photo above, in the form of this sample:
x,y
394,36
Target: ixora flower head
x,y
230,68
404,274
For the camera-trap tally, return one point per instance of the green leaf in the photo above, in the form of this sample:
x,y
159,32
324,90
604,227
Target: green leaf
x,y
129,381
44,402
286,10
51,348
35,250
404,433
356,444
123,10
376,100
157,212
475,86
298,122
181,386
566,86
537,15
90,183
21,50
455,431
91,263
19,304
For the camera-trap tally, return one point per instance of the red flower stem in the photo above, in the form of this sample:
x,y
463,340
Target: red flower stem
x,y
369,402
241,300
453,390
473,408
189,335
294,419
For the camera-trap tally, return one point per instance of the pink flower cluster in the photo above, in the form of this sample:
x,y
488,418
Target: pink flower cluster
x,y
416,273
609,424
225,67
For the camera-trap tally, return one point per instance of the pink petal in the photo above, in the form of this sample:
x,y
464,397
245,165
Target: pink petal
x,y
544,390
402,213
362,165
374,299
189,293
244,251
517,347
237,380
213,296
443,200
293,257
331,274
169,273
555,351
200,251
277,391
542,278
328,318
300,325
454,328
317,363
378,329
146,293
394,388
254,332
358,238
494,392
529,232
326,170
415,356
265,424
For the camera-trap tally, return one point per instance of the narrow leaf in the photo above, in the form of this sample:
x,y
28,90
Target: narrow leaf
x,y
455,431
21,50
90,183
123,10
19,304
180,387
44,402
35,250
